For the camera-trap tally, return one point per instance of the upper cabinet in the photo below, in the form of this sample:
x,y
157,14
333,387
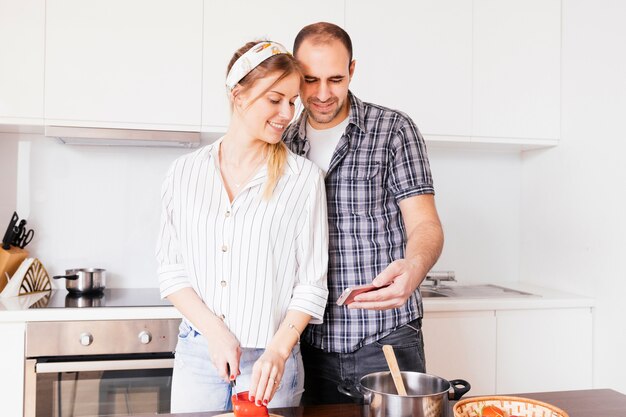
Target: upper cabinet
x,y
517,66
418,60
115,63
21,61
229,24
483,71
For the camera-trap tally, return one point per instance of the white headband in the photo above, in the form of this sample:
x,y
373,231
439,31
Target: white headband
x,y
251,59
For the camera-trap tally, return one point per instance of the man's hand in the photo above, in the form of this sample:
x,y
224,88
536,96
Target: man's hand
x,y
424,244
398,281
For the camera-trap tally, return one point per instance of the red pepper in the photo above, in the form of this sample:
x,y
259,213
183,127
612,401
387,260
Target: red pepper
x,y
243,407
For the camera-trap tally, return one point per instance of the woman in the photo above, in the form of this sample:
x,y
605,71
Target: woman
x,y
243,246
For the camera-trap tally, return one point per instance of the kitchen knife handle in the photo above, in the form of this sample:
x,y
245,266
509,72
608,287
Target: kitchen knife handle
x,y
9,235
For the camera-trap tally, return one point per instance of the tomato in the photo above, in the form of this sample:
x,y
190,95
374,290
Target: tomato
x,y
491,411
243,407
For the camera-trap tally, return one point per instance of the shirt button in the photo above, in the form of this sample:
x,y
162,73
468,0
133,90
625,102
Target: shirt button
x,y
224,248
223,317
227,214
223,283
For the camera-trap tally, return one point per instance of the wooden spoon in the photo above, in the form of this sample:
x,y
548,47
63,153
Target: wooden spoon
x,y
395,370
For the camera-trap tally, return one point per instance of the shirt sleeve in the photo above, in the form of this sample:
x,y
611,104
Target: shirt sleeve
x,y
310,291
410,171
171,270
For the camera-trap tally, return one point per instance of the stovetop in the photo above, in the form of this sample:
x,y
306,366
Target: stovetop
x,y
110,297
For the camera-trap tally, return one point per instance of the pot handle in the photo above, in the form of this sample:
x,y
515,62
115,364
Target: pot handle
x,y
72,277
459,392
357,393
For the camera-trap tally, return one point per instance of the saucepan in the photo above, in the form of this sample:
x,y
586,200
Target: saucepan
x,y
427,395
84,280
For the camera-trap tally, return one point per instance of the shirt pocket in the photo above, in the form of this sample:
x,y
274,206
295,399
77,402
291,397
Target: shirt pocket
x,y
361,188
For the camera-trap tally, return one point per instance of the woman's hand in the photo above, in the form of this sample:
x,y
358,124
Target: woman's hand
x,y
267,373
224,351
224,348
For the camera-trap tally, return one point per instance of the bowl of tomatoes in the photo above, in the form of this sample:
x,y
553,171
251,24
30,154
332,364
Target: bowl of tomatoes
x,y
502,406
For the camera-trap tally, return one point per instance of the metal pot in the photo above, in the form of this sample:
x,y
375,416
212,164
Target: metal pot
x,y
84,280
427,395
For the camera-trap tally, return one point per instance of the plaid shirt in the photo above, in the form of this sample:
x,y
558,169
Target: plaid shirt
x,y
380,160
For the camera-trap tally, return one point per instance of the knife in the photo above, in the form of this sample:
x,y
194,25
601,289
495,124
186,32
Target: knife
x,y
10,233
232,382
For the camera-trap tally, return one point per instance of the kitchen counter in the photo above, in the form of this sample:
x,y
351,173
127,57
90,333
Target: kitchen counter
x,y
16,309
583,403
113,304
542,298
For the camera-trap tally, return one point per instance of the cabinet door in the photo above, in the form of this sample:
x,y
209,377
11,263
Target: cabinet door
x,y
115,63
415,56
544,350
12,368
21,61
229,24
462,345
516,68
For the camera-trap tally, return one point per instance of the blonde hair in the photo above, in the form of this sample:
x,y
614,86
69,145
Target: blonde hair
x,y
285,64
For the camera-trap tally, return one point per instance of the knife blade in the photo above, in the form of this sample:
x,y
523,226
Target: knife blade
x,y
233,382
9,234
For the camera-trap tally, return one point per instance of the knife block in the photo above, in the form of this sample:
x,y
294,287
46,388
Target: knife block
x,y
10,260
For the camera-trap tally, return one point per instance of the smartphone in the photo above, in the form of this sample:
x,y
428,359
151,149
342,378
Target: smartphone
x,y
347,296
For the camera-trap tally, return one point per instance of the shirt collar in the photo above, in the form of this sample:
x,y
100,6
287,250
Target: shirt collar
x,y
356,117
291,166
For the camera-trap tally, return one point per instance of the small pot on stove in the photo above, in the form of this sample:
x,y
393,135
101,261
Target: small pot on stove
x,y
84,280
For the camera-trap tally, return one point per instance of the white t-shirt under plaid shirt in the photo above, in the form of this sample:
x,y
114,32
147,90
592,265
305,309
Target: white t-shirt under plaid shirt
x,y
380,160
250,260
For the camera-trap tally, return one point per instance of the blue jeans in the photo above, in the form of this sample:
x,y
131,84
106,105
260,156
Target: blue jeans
x,y
196,385
325,371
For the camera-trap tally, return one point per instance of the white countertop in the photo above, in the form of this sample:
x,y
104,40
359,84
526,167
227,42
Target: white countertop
x,y
545,298
16,309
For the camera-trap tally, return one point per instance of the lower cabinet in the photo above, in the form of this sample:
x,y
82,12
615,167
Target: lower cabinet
x,y
12,368
462,345
511,351
544,350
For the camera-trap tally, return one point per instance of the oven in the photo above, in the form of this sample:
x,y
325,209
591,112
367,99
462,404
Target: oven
x,y
99,368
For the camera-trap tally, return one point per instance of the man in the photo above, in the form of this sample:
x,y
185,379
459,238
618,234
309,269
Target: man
x,y
383,224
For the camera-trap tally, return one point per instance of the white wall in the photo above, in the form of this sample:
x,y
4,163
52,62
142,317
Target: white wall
x,y
91,206
478,199
8,181
99,207
574,196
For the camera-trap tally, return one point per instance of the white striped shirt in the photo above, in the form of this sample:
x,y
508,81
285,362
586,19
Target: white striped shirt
x,y
250,260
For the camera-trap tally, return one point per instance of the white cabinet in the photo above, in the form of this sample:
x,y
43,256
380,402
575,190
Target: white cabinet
x,y
12,368
229,24
485,71
21,61
416,59
544,350
516,67
114,63
462,346
511,351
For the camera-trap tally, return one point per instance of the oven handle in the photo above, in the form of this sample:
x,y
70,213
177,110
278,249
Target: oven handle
x,y
119,365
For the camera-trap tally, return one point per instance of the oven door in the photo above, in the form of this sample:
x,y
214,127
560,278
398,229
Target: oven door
x,y
108,387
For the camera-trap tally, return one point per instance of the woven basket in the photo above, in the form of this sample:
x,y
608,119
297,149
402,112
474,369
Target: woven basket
x,y
517,406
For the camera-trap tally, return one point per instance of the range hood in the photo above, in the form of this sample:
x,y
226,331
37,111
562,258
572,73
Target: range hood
x,y
123,137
